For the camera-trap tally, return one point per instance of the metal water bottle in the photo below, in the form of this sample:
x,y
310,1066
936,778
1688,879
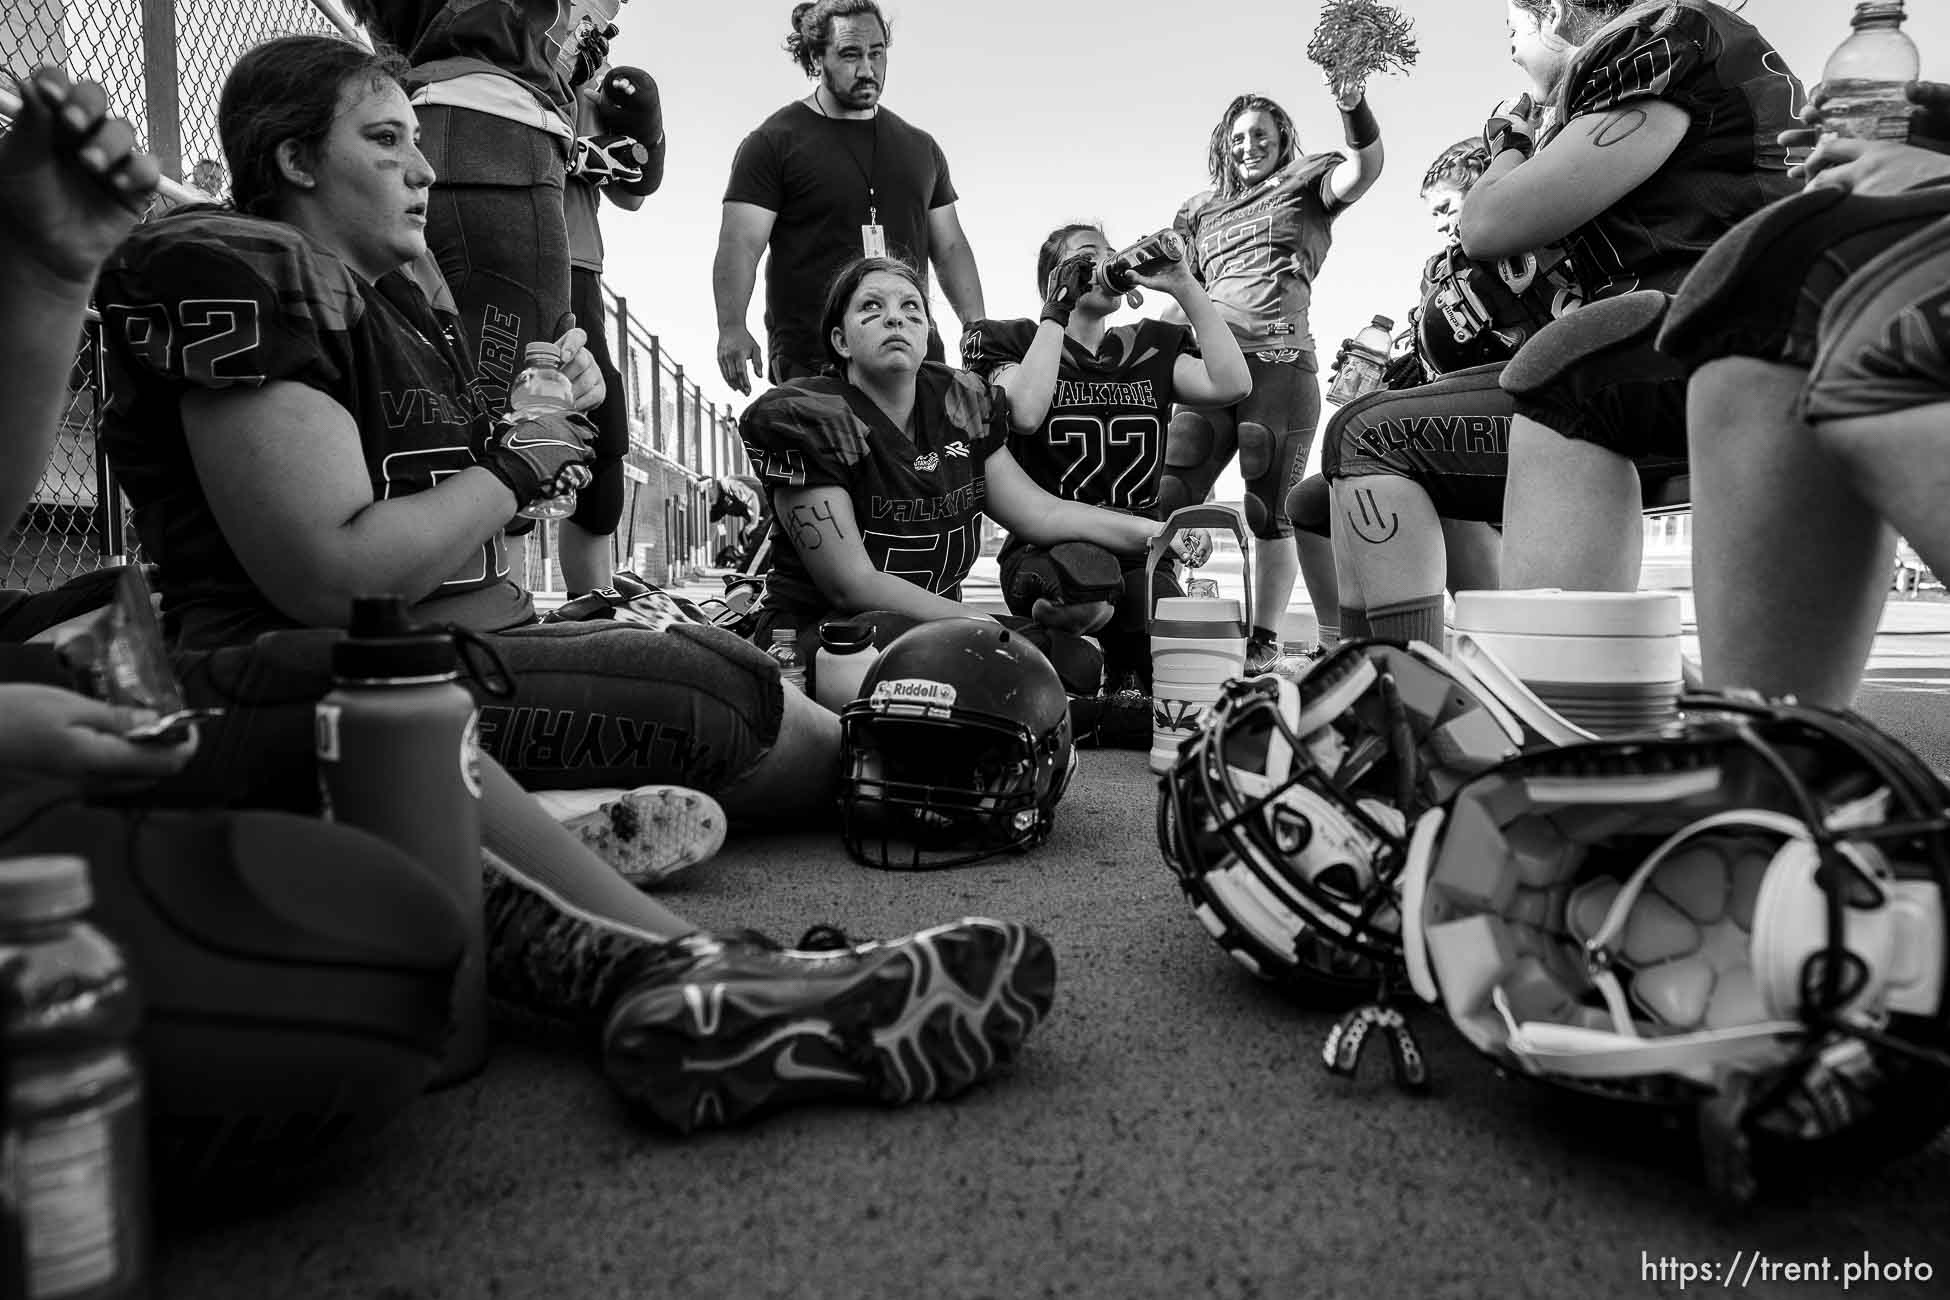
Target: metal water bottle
x,y
846,651
1117,273
398,756
74,1174
1865,83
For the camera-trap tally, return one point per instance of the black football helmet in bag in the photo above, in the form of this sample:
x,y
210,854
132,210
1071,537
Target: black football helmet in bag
x,y
958,748
1744,915
1286,815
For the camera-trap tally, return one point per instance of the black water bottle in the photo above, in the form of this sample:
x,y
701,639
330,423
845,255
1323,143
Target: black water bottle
x,y
398,756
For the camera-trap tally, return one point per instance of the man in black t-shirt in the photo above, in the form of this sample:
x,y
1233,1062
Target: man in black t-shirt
x,y
825,180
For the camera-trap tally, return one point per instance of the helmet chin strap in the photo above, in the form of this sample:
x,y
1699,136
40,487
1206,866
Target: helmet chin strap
x,y
1789,926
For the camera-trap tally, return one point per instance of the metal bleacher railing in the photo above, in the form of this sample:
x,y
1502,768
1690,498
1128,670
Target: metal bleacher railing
x,y
162,63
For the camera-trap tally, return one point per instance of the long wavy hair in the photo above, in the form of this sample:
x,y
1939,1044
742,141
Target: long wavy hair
x,y
288,89
1218,154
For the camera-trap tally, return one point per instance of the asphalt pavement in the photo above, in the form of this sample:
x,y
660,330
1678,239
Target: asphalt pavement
x,y
1168,1132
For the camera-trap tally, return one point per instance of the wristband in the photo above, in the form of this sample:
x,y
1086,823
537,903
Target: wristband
x,y
1358,126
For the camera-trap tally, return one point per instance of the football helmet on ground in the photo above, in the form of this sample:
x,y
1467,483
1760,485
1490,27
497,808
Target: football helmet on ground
x,y
958,748
1743,915
1286,815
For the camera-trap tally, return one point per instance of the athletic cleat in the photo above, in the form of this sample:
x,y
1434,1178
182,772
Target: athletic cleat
x,y
1125,722
1263,657
719,1029
652,832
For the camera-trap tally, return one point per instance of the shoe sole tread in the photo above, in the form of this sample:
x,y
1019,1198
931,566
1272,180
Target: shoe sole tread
x,y
943,1008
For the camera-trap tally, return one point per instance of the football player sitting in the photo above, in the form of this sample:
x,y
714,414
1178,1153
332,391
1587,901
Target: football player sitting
x,y
880,472
1089,403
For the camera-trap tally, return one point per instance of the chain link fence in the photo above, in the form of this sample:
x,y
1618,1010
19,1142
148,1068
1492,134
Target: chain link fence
x,y
162,64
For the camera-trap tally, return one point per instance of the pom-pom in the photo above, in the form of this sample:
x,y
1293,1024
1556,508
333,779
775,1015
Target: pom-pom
x,y
1355,39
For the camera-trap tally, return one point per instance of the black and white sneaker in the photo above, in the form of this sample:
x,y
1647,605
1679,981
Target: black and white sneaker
x,y
717,1029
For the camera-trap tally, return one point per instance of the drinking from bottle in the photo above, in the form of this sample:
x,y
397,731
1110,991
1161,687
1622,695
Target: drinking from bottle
x,y
543,388
1865,83
1118,273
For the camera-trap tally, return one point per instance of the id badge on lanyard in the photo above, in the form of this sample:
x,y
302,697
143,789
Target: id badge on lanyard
x,y
873,239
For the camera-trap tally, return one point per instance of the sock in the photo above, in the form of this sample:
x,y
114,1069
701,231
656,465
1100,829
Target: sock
x,y
1265,635
530,843
1409,620
1354,625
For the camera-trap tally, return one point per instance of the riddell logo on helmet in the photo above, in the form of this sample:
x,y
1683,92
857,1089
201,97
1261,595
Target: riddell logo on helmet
x,y
912,695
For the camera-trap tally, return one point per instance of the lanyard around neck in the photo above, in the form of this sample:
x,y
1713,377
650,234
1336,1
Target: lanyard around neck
x,y
868,168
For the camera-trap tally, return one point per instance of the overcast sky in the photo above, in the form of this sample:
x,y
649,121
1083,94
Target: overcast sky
x,y
1049,111
1054,110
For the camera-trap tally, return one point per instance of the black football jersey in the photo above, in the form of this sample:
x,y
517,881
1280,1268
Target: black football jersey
x,y
1740,94
918,501
1103,441
207,300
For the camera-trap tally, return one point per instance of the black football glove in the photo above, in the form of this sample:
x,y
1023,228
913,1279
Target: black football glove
x,y
1069,280
592,53
539,455
1512,126
608,159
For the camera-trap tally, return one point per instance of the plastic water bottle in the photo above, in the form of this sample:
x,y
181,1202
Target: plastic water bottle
x,y
543,389
785,650
840,665
1367,356
1865,82
398,755
74,1177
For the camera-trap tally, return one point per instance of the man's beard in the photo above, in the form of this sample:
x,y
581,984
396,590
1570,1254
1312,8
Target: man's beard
x,y
858,95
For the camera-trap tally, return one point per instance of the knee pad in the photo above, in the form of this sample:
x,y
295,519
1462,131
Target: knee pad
x,y
1069,573
1188,441
1261,521
1310,506
1595,328
1257,449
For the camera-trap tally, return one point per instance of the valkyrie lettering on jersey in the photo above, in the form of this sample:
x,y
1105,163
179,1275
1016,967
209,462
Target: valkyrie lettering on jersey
x,y
1472,434
917,501
1102,441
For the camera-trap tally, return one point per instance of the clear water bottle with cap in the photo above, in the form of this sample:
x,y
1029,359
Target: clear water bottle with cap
x,y
74,1174
846,651
785,652
1365,357
543,388
398,755
1865,83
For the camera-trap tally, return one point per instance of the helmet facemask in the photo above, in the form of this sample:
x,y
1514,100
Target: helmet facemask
x,y
920,793
1285,816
